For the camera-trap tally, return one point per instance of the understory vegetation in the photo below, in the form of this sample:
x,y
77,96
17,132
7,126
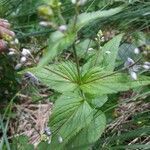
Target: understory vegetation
x,y
76,75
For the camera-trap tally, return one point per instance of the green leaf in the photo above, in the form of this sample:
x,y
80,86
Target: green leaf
x,y
108,60
81,48
71,113
106,83
99,101
102,58
64,78
85,18
57,43
90,134
60,77
127,50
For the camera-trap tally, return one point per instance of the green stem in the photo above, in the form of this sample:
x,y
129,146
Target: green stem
x,y
4,131
61,17
76,60
76,17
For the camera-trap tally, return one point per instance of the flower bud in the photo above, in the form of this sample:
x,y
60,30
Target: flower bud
x,y
90,49
147,63
23,59
25,52
102,39
18,66
62,28
108,52
12,50
79,2
146,67
47,131
11,53
133,75
136,51
45,11
45,23
60,139
129,62
16,41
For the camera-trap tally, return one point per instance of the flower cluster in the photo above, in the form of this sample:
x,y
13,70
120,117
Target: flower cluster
x,y
25,53
48,135
100,36
12,45
133,68
146,65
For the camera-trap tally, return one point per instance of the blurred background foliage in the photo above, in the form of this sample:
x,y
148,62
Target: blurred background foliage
x,y
23,15
134,20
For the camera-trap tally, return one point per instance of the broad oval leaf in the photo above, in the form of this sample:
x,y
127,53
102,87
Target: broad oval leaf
x,y
71,113
108,60
85,18
99,101
57,43
106,83
103,59
61,77
90,134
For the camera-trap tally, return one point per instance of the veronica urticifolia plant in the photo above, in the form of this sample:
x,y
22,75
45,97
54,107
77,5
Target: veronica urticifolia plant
x,y
77,119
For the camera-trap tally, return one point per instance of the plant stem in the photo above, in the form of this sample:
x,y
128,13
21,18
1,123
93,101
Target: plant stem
x,y
60,16
76,60
4,131
76,17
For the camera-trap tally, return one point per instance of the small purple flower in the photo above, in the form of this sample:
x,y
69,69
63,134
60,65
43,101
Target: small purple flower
x,y
31,77
132,68
62,28
47,131
129,62
146,65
